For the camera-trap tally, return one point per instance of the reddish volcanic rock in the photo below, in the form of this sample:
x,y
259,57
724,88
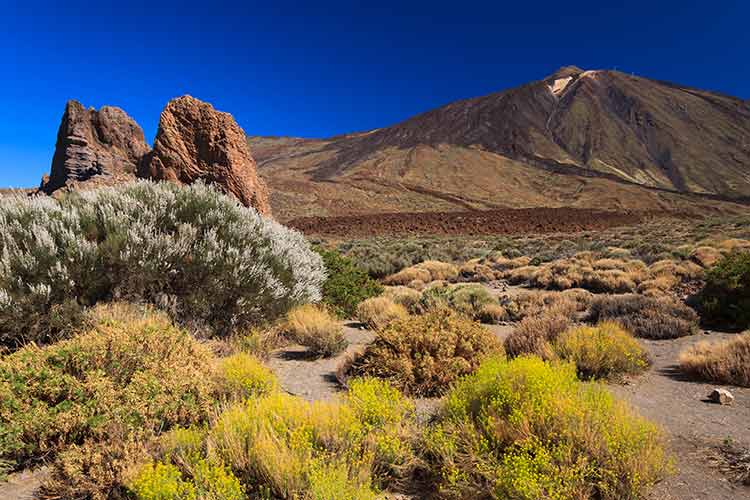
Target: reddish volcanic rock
x,y
94,147
196,142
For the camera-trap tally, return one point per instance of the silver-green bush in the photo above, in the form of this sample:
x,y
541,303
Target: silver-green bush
x,y
192,251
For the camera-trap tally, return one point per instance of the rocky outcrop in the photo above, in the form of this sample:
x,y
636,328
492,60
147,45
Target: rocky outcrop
x,y
94,147
196,142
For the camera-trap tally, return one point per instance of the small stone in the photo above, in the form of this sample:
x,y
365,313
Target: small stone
x,y
721,396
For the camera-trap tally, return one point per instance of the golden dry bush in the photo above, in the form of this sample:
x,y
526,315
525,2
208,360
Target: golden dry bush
x,y
379,312
407,297
315,328
408,275
725,362
492,313
705,256
439,270
424,355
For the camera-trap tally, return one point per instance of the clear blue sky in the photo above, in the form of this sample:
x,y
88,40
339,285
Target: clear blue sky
x,y
321,68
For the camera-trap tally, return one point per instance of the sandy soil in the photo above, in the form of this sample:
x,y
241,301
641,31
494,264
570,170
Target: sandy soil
x,y
696,426
23,485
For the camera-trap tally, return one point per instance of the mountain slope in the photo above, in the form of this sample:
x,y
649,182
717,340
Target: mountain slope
x,y
577,138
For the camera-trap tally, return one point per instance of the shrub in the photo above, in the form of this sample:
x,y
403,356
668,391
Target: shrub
x,y
526,429
470,299
726,362
243,375
347,285
165,481
492,313
281,446
131,376
647,317
602,351
536,334
379,312
725,299
423,355
190,250
316,329
407,297
427,271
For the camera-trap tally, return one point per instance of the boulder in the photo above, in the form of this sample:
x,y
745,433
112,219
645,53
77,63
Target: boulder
x,y
94,147
721,396
196,142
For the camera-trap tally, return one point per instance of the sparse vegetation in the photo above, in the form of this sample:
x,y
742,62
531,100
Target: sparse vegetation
x,y
424,355
602,351
379,312
192,251
315,328
726,362
528,429
346,285
725,299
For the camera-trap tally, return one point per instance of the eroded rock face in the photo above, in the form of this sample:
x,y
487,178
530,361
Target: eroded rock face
x,y
94,147
194,141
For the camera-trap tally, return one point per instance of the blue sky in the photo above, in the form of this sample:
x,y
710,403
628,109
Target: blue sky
x,y
317,69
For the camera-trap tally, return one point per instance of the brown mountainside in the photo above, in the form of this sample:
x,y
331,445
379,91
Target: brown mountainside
x,y
591,139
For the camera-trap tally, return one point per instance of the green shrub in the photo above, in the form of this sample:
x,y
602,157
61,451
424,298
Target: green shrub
x,y
423,355
471,300
646,317
132,374
407,297
527,429
346,285
602,351
195,252
725,299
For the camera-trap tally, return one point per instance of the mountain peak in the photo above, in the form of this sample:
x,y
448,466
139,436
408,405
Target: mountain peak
x,y
565,72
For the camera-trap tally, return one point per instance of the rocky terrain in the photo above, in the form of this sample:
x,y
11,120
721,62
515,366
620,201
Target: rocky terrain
x,y
103,147
592,139
497,221
194,142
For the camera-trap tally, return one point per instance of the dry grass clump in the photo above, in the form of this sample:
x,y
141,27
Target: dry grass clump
x,y
528,429
646,317
570,303
425,272
423,355
602,351
726,362
379,312
705,256
492,314
315,328
406,276
407,297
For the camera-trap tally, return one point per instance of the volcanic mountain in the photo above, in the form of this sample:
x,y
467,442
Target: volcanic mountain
x,y
593,139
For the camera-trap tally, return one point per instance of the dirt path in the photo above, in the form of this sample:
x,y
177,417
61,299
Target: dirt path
x,y
696,426
315,379
23,485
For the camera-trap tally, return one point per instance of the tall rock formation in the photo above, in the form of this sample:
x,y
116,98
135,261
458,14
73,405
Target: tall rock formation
x,y
95,147
194,141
